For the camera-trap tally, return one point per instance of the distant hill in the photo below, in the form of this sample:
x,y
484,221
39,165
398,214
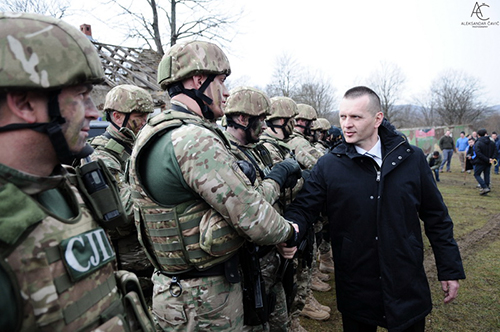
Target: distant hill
x,y
495,108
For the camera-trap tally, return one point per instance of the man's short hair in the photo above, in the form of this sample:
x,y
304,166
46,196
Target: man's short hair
x,y
462,132
436,153
494,132
359,91
481,132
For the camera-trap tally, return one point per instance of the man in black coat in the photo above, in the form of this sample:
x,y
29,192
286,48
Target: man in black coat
x,y
375,188
485,151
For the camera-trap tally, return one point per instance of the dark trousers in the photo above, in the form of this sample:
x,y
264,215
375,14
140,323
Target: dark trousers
x,y
351,325
482,168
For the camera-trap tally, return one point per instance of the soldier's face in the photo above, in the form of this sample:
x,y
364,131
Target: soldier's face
x,y
136,121
78,109
218,92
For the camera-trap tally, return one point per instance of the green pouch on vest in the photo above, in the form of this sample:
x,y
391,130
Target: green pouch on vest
x,y
18,212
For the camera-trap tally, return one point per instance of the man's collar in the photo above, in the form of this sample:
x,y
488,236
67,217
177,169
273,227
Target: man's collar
x,y
375,152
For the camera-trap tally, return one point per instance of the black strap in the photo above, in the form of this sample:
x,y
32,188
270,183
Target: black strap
x,y
252,160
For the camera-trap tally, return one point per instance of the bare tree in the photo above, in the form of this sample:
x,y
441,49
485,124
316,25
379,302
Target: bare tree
x,y
286,77
388,81
426,105
318,92
182,19
457,98
55,8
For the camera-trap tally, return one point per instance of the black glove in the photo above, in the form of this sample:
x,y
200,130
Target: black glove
x,y
285,173
294,240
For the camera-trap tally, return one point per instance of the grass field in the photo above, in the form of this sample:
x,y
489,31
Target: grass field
x,y
477,231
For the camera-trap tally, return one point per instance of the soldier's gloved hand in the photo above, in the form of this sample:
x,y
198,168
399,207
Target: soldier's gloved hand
x,y
286,173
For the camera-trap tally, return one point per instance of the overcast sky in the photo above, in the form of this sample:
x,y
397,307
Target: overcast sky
x,y
347,40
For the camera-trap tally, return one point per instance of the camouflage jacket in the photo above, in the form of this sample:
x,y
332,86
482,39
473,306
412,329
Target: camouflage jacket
x,y
59,262
268,188
306,154
322,147
201,190
279,151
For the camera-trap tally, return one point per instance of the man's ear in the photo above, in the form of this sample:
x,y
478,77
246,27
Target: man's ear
x,y
117,117
379,117
27,106
243,118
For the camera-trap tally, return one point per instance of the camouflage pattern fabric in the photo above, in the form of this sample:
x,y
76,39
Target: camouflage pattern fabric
x,y
269,264
184,60
279,151
203,304
59,292
306,154
29,63
321,147
130,254
127,98
208,168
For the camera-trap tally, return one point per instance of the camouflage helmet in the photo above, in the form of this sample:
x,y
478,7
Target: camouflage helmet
x,y
306,112
127,99
321,124
247,100
41,52
191,58
282,107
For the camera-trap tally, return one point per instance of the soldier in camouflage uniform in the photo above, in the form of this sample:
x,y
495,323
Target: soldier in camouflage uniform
x,y
319,130
308,279
195,207
127,108
57,266
245,114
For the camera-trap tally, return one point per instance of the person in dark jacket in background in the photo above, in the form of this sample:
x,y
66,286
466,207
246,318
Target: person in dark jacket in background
x,y
375,187
485,151
446,145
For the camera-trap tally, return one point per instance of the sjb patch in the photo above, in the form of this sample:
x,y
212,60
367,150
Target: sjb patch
x,y
85,253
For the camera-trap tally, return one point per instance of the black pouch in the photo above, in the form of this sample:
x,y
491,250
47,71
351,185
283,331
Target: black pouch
x,y
100,191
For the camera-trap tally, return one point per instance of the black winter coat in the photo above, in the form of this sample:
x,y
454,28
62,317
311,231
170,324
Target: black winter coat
x,y
375,229
485,149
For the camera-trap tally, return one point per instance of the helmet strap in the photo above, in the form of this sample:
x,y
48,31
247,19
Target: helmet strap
x,y
247,129
54,130
197,95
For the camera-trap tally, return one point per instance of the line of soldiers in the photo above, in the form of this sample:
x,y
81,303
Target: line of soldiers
x,y
197,208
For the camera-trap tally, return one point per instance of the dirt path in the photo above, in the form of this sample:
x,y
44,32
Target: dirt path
x,y
469,244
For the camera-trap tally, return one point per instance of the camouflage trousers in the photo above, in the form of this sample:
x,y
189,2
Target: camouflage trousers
x,y
278,321
304,276
131,257
204,304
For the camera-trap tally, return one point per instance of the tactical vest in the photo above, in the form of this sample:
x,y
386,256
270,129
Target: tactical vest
x,y
109,144
62,270
190,235
284,149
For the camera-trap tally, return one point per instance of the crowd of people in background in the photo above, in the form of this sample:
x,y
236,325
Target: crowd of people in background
x,y
477,152
182,222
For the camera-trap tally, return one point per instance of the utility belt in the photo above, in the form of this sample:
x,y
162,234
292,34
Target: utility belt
x,y
229,269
